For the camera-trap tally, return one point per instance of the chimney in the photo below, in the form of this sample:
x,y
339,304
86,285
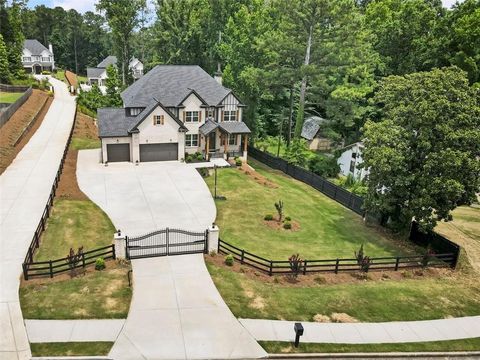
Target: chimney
x,y
218,75
50,48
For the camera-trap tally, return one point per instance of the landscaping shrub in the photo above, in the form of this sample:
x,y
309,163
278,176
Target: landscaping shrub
x,y
298,153
204,172
287,225
268,217
46,72
99,264
198,156
238,162
324,166
229,260
188,158
279,208
288,218
295,263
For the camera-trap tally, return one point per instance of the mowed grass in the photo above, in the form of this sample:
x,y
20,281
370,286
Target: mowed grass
x,y
9,97
327,229
95,295
71,349
418,298
74,223
84,143
451,345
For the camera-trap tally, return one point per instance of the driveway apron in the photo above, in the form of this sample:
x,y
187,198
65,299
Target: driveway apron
x,y
176,310
24,189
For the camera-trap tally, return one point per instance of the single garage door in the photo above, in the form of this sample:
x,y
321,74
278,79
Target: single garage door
x,y
158,152
118,152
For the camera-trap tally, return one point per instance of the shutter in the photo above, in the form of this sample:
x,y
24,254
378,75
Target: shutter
x,y
199,140
162,119
154,120
200,116
184,115
238,115
221,116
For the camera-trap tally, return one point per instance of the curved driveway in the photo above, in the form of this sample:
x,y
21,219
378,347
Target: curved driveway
x,y
176,311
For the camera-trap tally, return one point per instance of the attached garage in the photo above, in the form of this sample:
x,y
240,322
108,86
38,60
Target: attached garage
x,y
158,152
118,152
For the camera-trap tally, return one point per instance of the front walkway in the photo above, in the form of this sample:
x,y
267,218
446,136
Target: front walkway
x,y
367,333
24,189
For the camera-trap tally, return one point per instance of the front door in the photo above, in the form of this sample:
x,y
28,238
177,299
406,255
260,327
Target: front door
x,y
211,142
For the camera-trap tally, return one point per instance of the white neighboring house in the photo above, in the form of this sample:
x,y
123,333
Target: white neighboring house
x,y
171,111
36,57
98,75
350,159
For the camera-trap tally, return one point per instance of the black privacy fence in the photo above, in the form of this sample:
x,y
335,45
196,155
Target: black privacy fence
x,y
392,263
50,268
335,192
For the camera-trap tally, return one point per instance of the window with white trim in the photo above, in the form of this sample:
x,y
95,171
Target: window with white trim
x,y
191,140
158,119
191,116
45,59
232,139
135,111
211,113
27,59
230,115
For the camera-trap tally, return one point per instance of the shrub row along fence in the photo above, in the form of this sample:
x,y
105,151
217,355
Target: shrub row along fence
x,y
394,263
436,242
337,193
57,266
6,114
66,264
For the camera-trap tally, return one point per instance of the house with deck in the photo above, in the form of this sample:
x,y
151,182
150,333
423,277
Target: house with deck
x,y
36,57
98,75
172,111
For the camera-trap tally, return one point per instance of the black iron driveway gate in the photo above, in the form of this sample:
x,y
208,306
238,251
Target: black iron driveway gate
x,y
167,242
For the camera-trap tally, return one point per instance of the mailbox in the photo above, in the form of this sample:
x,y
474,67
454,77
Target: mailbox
x,y
298,327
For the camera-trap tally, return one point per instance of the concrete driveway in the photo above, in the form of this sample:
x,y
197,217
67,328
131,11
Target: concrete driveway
x,y
147,197
176,310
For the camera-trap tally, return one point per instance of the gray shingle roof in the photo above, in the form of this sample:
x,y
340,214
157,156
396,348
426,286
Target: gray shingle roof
x,y
311,126
208,127
94,72
230,127
35,47
109,60
170,84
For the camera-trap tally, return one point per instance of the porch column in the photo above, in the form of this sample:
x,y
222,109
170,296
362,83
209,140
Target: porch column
x,y
225,138
207,146
245,142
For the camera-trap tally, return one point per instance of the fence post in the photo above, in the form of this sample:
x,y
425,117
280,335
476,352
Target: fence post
x,y
167,239
305,267
120,245
397,262
51,268
25,271
213,238
113,252
271,268
83,260
336,265
242,257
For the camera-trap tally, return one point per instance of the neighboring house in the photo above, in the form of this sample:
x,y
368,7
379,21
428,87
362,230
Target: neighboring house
x,y
36,57
170,111
350,159
311,131
98,75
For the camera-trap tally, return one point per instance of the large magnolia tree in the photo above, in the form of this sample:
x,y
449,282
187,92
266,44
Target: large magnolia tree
x,y
424,154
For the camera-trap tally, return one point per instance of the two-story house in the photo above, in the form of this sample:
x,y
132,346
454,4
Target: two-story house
x,y
171,111
98,75
36,57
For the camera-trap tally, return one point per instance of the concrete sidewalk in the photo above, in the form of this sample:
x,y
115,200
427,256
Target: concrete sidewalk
x,y
366,333
24,190
177,313
45,331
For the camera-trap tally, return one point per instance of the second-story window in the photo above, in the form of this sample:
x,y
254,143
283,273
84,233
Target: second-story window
x,y
45,59
135,111
27,58
192,116
210,113
229,115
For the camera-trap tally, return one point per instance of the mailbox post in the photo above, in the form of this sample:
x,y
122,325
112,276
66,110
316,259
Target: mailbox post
x,y
298,327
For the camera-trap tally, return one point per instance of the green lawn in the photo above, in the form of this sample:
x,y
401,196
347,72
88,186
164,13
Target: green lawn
x,y
451,345
74,223
71,349
327,229
9,97
371,301
60,75
95,295
84,143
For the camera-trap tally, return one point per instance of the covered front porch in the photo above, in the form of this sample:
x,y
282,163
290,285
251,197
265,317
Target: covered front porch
x,y
225,139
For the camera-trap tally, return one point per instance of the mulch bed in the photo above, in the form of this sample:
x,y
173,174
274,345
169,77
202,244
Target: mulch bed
x,y
15,125
278,225
317,279
260,179
68,185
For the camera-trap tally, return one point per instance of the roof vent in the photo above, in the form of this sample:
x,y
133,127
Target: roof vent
x,y
218,75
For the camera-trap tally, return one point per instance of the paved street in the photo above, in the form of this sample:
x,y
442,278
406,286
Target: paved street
x,y
24,190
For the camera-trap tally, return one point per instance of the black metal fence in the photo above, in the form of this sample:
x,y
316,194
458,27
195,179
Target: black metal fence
x,y
35,243
335,192
392,263
59,266
167,242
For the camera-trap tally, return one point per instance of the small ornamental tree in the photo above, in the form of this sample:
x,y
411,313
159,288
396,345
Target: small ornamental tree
x,y
73,259
360,255
295,263
427,256
279,208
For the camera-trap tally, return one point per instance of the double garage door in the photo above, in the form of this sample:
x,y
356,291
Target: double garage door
x,y
148,152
